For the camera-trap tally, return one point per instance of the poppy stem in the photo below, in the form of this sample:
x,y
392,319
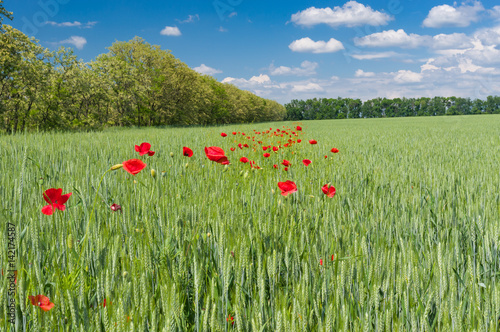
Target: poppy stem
x,y
85,237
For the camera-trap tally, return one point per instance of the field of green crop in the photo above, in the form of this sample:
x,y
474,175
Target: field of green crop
x,y
414,229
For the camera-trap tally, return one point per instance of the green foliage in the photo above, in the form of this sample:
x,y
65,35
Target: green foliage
x,y
134,84
316,109
413,227
4,13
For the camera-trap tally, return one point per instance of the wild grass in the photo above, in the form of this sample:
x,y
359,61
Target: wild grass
x,y
413,227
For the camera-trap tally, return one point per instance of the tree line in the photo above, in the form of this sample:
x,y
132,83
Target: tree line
x,y
134,84
347,108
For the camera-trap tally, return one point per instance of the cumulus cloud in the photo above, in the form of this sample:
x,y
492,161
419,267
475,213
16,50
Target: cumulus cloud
x,y
351,14
306,68
170,31
391,38
407,76
206,70
260,79
451,41
361,73
400,38
87,25
308,45
77,41
448,16
488,36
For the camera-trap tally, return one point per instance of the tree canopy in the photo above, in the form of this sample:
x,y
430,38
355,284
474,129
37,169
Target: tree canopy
x,y
134,83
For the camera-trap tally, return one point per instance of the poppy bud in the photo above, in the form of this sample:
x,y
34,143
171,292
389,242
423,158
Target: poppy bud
x,y
245,175
232,253
117,166
124,274
187,165
208,234
321,262
171,154
153,173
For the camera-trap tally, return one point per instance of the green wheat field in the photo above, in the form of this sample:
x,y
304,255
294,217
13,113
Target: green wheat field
x,y
413,229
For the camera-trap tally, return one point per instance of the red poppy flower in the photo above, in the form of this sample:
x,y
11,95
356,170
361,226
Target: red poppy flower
x,y
286,163
232,149
223,134
115,207
245,145
335,150
55,199
187,152
265,148
244,160
299,140
214,153
312,141
321,262
286,169
243,134
288,187
275,166
230,319
134,166
329,191
41,301
332,257
234,133
306,162
144,148
240,146
266,155
299,128
326,157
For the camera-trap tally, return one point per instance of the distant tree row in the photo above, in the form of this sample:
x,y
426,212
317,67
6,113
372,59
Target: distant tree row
x,y
342,108
134,84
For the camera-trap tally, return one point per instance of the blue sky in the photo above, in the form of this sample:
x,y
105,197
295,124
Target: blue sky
x,y
286,50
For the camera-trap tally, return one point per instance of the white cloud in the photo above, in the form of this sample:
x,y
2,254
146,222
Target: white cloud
x,y
89,24
221,29
260,79
190,19
448,16
488,36
310,46
495,12
170,31
309,87
391,38
233,14
77,41
351,14
451,41
361,73
407,76
206,70
306,68
375,56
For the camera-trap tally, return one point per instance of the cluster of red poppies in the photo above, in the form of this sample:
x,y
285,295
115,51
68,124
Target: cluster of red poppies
x,y
56,200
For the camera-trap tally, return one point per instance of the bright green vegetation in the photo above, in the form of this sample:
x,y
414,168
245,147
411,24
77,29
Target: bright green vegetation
x,y
348,108
134,84
414,228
